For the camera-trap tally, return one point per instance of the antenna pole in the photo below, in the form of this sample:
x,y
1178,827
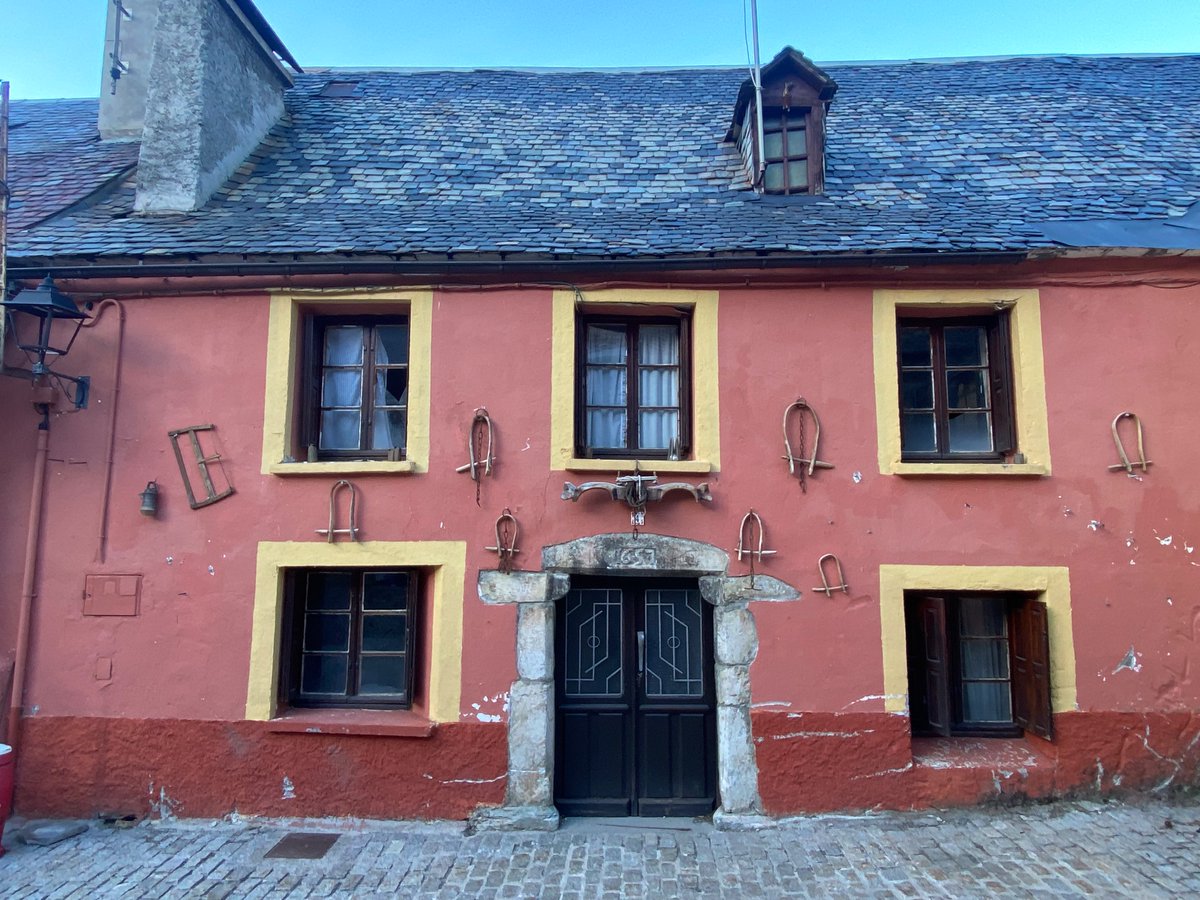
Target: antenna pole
x,y
758,95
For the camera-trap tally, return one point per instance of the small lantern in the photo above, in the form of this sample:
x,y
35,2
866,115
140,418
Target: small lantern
x,y
150,499
44,322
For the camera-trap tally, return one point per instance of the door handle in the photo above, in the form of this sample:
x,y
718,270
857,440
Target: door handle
x,y
641,648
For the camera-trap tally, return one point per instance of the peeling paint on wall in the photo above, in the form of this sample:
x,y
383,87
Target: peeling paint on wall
x,y
289,789
1130,662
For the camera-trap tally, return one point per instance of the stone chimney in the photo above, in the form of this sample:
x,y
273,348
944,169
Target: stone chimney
x,y
128,42
201,84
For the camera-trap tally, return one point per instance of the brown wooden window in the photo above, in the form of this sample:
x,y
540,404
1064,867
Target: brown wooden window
x,y
978,664
357,390
955,388
785,151
350,633
633,387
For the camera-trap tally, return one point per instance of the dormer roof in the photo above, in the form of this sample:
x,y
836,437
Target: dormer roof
x,y
814,84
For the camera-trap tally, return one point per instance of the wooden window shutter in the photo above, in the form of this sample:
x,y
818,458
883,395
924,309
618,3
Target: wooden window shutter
x,y
1000,370
932,612
1031,669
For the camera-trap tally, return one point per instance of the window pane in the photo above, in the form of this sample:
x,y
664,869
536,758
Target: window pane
x,y
607,386
966,389
341,387
607,428
917,433
797,144
658,345
773,178
970,432
327,631
798,175
773,143
382,675
606,344
329,591
391,387
321,674
658,387
388,429
340,429
385,590
915,347
391,344
984,659
982,617
966,345
772,118
344,345
917,390
384,632
657,429
987,701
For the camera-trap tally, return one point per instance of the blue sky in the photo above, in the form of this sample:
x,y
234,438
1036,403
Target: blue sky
x,y
53,48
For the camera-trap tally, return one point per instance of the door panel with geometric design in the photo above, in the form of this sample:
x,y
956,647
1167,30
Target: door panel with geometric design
x,y
636,720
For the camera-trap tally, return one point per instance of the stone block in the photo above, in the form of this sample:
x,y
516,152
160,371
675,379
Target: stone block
x,y
736,637
520,587
733,685
625,553
513,818
529,788
535,641
738,772
530,728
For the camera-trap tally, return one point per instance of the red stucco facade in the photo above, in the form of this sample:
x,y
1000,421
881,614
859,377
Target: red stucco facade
x,y
168,731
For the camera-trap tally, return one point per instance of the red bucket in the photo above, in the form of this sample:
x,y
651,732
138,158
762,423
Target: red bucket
x,y
7,770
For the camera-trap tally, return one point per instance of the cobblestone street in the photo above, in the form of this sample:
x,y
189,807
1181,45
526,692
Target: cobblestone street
x,y
1067,849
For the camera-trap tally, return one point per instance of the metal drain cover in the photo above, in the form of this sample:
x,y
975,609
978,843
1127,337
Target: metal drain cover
x,y
302,845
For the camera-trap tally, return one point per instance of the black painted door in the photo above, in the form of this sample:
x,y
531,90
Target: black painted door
x,y
636,717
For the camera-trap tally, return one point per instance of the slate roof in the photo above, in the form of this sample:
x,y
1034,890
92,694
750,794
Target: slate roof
x,y
968,156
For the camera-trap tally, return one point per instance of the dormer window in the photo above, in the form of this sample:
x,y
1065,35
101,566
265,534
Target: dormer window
x,y
784,150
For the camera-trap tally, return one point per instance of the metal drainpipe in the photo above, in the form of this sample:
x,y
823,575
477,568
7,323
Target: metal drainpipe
x,y
106,498
32,542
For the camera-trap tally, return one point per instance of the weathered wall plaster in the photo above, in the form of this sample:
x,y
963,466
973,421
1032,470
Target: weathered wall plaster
x,y
185,658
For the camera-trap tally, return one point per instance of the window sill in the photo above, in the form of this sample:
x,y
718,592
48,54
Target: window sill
x,y
682,466
952,468
348,467
377,722
1009,754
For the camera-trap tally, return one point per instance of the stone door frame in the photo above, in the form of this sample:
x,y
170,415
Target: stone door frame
x,y
529,797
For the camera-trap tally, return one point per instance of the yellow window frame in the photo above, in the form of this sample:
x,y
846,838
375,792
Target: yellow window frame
x,y
706,417
1029,379
288,310
1051,584
446,559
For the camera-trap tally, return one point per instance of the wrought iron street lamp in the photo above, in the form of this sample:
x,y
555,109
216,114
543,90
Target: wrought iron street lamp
x,y
44,323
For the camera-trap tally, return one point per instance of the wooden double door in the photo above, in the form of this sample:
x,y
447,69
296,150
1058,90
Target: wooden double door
x,y
636,710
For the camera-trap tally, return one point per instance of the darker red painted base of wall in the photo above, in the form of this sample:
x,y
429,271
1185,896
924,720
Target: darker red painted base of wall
x,y
808,762
818,762
89,766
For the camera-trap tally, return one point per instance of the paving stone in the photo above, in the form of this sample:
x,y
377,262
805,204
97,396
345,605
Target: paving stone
x,y
1047,851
